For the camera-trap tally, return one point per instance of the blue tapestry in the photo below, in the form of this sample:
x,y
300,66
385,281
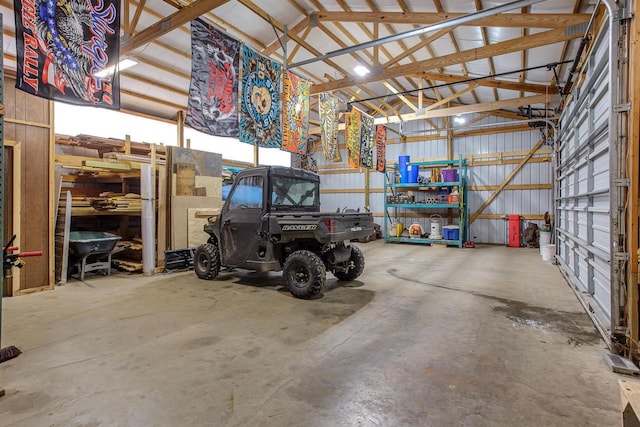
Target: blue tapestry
x,y
260,100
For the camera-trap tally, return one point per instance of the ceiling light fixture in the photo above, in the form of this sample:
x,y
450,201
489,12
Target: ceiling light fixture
x,y
459,119
361,70
122,65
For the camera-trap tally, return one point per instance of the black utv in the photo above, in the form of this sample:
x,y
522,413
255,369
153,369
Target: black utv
x,y
271,221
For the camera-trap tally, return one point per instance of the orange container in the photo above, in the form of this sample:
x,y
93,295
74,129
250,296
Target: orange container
x,y
454,198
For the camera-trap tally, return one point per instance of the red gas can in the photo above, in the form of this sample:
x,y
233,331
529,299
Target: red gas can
x,y
514,231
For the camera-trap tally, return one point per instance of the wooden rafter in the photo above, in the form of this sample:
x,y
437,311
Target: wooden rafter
x,y
493,83
169,24
466,109
280,27
401,97
296,29
456,48
460,109
451,97
131,28
507,20
485,40
509,46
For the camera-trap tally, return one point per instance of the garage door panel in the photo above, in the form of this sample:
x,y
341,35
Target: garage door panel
x,y
583,208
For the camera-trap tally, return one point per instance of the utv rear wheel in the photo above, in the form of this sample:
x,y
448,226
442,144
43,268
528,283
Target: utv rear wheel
x,y
206,261
305,274
357,258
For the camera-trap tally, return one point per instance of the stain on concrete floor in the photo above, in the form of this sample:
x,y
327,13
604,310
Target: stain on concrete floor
x,y
574,324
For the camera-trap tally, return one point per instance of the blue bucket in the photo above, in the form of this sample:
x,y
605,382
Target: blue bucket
x,y
412,173
403,166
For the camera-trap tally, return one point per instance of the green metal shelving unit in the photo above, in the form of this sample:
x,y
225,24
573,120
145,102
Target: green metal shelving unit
x,y
390,187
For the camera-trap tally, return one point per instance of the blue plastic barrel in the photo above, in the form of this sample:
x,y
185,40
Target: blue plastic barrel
x,y
403,163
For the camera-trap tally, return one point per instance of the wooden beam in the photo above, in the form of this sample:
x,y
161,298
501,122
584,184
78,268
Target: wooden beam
x,y
466,109
506,181
401,97
296,29
501,48
633,192
423,44
280,27
492,83
509,20
131,29
168,24
511,187
450,97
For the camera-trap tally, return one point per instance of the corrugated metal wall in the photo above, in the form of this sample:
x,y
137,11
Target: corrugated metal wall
x,y
583,181
491,158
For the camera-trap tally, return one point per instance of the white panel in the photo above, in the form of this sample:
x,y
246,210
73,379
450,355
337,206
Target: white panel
x,y
583,217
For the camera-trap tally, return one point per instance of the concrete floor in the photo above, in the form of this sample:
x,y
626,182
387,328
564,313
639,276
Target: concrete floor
x,y
427,337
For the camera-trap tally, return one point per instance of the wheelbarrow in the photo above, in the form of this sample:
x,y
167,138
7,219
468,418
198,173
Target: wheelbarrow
x,y
92,250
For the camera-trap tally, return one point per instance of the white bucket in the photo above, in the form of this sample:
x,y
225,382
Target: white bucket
x,y
548,252
436,227
545,239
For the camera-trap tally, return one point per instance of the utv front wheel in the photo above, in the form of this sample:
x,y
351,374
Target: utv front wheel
x,y
357,258
206,261
305,274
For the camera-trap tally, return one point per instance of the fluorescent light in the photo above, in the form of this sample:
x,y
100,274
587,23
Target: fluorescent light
x,y
361,70
122,65
459,119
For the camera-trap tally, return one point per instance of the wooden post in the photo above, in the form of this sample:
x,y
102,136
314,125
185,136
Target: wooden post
x,y
180,124
367,189
52,194
127,144
256,158
447,122
188,143
633,192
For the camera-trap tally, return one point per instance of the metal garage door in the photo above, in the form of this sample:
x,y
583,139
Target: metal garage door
x,y
583,182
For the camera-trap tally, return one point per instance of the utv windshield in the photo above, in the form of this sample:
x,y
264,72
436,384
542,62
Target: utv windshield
x,y
291,192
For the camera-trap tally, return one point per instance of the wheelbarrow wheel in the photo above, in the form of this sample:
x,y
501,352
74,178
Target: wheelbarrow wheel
x,y
206,261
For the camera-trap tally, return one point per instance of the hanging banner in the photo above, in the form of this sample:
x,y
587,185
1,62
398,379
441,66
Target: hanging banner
x,y
213,92
259,100
329,127
295,122
381,147
353,137
366,141
69,50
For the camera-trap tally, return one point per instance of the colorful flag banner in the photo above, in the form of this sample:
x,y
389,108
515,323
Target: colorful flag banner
x,y
259,100
213,92
329,127
69,50
381,147
295,122
354,129
366,141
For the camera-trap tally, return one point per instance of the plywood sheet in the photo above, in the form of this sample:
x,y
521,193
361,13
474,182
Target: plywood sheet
x,y
185,179
195,223
180,206
35,171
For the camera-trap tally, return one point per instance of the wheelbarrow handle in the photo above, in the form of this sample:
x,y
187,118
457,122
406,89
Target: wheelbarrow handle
x,y
28,254
11,248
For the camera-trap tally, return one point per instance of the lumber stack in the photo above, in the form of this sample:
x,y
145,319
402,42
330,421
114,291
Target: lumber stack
x,y
128,256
